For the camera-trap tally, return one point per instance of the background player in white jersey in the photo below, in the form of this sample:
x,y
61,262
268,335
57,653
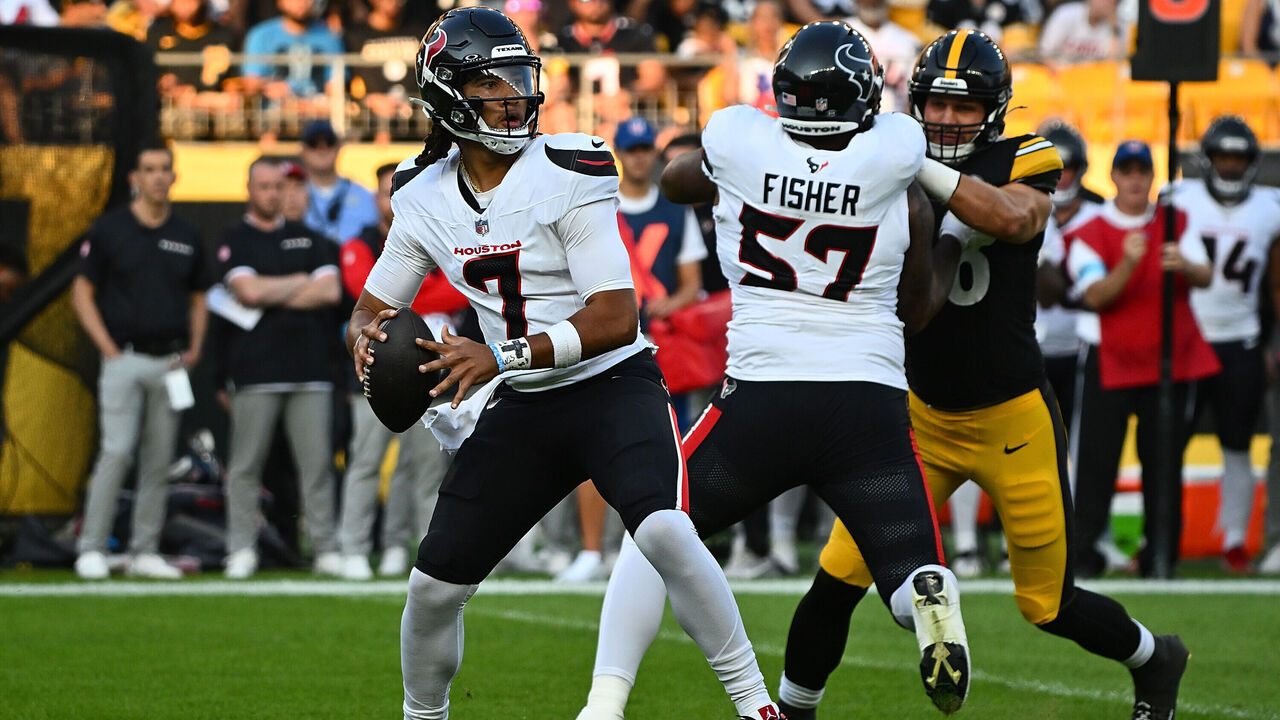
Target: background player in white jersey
x,y
525,226
1238,227
822,249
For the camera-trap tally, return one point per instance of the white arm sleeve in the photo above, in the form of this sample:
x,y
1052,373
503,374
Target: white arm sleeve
x,y
1085,266
598,260
400,269
1191,245
692,248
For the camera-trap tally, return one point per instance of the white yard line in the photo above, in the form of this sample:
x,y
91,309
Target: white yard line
x,y
1031,687
339,588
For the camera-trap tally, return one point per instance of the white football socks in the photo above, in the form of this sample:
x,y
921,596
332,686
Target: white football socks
x,y
431,644
1237,497
1146,648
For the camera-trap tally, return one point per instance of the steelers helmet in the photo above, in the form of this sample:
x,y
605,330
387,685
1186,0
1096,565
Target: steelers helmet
x,y
1229,135
466,44
827,81
963,63
1074,153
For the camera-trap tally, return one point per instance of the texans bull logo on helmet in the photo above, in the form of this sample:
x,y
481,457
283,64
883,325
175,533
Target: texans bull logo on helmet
x,y
859,69
428,50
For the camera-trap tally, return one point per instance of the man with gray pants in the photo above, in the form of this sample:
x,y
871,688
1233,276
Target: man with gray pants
x,y
139,296
278,368
411,499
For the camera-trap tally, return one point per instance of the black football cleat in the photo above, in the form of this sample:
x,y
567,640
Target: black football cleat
x,y
795,713
1155,684
944,649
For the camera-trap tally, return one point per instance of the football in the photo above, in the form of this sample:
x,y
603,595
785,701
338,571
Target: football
x,y
397,392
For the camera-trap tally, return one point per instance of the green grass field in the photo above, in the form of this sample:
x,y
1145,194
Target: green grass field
x,y
293,649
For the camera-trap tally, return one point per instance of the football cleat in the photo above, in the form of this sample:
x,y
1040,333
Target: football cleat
x,y
768,712
794,713
944,662
1155,684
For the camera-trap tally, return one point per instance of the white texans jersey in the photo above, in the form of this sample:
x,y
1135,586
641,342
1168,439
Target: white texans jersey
x,y
812,244
1237,239
547,240
1056,326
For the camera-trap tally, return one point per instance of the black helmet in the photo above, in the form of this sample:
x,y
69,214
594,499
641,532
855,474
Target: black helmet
x,y
1229,135
1074,154
964,63
827,81
468,43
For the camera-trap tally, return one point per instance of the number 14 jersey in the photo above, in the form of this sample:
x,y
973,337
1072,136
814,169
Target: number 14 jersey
x,y
812,244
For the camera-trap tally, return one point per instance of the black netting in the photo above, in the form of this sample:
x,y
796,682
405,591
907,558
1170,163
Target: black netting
x,y
75,107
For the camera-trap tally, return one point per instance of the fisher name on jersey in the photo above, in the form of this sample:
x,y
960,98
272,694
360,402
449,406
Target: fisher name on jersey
x,y
519,260
812,244
1237,239
980,349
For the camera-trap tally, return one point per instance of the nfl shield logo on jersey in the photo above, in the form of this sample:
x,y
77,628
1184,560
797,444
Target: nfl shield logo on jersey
x,y
482,226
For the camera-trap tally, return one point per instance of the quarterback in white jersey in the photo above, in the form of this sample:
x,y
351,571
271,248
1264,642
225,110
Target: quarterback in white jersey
x,y
1239,225
825,241
526,227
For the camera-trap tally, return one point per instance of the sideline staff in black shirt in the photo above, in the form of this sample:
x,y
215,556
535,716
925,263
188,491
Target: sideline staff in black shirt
x,y
279,368
140,298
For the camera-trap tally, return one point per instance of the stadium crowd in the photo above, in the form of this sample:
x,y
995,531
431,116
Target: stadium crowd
x,y
645,75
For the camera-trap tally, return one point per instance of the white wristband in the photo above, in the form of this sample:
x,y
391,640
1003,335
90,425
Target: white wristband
x,y
566,344
953,226
938,180
512,354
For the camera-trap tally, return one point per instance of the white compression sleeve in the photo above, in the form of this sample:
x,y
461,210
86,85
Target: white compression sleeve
x,y
431,644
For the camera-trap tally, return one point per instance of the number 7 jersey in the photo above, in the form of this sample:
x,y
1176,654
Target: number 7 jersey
x,y
812,244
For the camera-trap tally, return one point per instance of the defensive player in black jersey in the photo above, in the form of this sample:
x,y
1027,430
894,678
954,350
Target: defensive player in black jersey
x,y
980,405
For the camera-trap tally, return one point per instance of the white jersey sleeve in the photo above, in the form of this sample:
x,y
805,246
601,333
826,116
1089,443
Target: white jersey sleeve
x,y
581,171
597,258
404,263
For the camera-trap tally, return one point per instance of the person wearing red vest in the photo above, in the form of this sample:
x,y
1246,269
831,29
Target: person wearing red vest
x,y
1118,259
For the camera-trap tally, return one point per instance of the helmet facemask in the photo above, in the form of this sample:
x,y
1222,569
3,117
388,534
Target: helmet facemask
x,y
1231,136
827,81
984,132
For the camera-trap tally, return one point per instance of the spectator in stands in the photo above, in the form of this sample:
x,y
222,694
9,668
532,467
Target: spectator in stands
x,y
708,35
297,196
139,296
1118,259
384,37
278,369
749,80
84,13
134,17
1260,27
28,12
420,464
338,208
671,20
807,11
296,33
187,28
598,30
895,47
527,15
1083,30
989,16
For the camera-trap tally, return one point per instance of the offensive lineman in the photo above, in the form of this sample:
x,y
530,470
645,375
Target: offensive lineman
x,y
526,227
1239,228
820,243
980,404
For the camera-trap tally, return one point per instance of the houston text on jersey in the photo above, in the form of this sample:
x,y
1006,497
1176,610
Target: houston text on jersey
x,y
811,195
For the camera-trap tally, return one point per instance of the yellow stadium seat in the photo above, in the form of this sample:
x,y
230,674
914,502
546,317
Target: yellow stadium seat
x,y
1245,87
1146,110
1035,97
1091,98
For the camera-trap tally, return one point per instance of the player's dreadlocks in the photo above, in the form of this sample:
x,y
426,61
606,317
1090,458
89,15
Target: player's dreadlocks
x,y
436,146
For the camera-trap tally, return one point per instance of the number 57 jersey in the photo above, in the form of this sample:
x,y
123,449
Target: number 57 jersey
x,y
812,244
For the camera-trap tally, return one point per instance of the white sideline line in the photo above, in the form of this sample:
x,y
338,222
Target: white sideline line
x,y
1031,687
340,588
